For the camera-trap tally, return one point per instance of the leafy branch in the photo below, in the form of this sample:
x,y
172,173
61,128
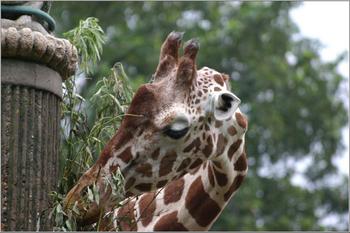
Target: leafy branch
x,y
81,142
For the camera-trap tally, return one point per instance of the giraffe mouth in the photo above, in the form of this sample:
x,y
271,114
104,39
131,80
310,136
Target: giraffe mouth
x,y
88,210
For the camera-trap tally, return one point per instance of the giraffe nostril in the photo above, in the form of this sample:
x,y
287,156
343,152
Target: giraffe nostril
x,y
225,102
227,98
224,105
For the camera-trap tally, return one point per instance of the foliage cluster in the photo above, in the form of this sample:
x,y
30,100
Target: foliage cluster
x,y
82,143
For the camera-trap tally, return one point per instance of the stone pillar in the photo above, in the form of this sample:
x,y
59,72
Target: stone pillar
x,y
33,65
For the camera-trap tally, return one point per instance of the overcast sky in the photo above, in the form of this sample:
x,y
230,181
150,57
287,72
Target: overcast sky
x,y
329,23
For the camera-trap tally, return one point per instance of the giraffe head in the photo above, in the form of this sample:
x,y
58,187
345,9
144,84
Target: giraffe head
x,y
171,127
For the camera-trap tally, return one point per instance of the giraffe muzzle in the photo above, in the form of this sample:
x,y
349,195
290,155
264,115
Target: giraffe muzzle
x,y
223,105
88,211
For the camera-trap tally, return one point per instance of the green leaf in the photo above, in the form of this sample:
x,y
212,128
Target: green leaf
x,y
96,194
90,194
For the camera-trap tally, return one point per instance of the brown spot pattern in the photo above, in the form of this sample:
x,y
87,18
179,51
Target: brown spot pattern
x,y
113,168
200,119
161,183
199,204
234,147
221,178
211,176
121,138
129,194
145,169
205,164
126,217
189,135
167,162
169,222
173,191
208,149
144,187
221,144
241,120
194,171
209,120
194,144
129,183
217,164
184,164
196,163
231,130
218,124
218,79
126,155
235,185
147,206
155,154
241,163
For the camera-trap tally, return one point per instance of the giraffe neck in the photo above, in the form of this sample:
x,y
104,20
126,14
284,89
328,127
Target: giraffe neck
x,y
103,168
192,202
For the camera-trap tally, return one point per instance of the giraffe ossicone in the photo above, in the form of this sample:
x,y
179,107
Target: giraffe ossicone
x,y
177,123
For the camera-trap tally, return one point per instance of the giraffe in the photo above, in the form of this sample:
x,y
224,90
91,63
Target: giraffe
x,y
193,201
172,126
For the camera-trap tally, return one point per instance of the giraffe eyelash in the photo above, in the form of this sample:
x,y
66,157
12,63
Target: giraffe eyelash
x,y
175,134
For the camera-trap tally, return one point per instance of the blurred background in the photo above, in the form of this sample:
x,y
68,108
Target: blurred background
x,y
289,65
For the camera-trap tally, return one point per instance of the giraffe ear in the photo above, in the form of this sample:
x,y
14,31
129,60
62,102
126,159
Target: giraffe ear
x,y
226,80
186,70
169,54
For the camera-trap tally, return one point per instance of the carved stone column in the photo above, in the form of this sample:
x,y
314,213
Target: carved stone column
x,y
33,65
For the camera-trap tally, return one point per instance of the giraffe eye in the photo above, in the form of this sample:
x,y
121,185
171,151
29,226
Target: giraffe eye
x,y
177,129
175,134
